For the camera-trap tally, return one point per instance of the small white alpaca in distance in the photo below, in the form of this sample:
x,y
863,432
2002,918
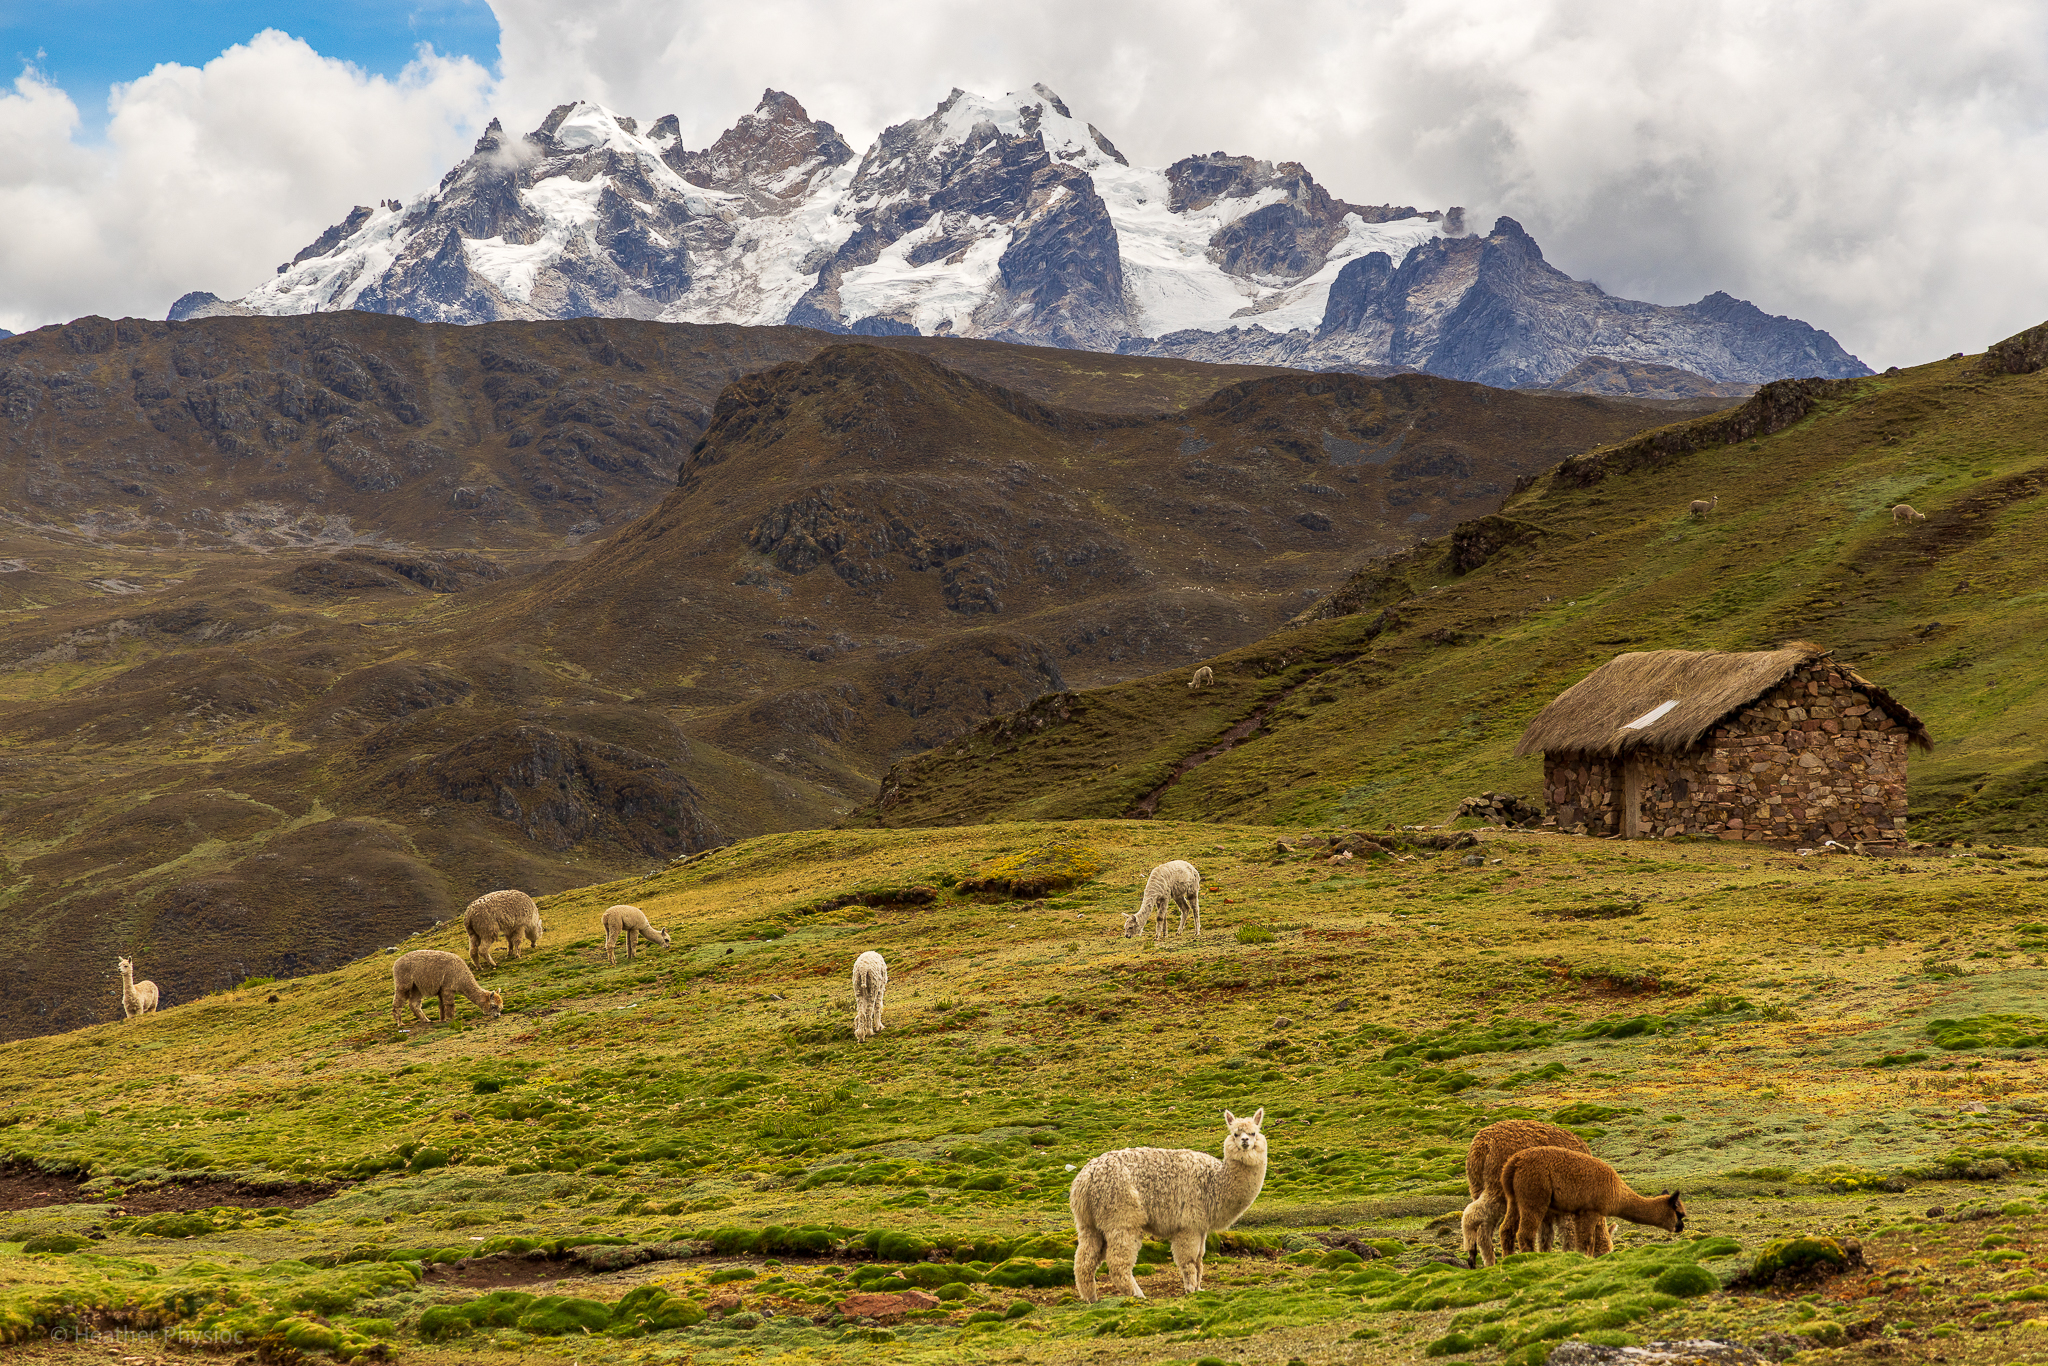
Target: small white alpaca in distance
x,y
1173,884
137,998
1907,513
870,985
1701,507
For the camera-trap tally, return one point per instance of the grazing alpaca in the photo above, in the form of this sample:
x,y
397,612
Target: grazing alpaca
x,y
1545,1183
1701,507
1204,676
435,972
1490,1150
870,986
511,913
137,998
1170,884
631,922
1176,1194
1907,513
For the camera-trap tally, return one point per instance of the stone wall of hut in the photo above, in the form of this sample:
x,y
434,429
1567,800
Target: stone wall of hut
x,y
1812,759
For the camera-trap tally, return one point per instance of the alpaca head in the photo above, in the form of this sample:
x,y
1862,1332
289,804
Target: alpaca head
x,y
1134,925
494,1003
1242,1141
126,967
662,935
1674,1211
1472,1231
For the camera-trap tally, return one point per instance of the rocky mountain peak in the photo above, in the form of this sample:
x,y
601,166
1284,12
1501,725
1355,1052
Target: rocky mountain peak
x,y
1008,217
777,150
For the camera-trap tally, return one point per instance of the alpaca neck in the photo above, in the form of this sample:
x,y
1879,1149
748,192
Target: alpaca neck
x,y
1236,1186
1640,1209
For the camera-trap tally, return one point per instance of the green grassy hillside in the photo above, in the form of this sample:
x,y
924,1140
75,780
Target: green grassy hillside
x,y
1407,689
689,1154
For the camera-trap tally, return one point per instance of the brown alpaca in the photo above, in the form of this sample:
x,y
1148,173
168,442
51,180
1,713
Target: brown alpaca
x,y
1543,1184
1490,1150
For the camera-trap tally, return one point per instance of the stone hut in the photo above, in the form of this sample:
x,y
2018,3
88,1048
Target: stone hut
x,y
1779,744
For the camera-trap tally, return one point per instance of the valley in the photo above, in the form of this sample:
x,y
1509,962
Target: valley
x,y
259,720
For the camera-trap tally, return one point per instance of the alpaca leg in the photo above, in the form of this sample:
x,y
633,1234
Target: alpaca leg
x,y
447,1005
1088,1247
1122,1255
412,1002
611,956
1187,1255
1587,1229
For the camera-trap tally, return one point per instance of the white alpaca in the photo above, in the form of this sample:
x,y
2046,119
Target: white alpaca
x,y
1907,513
629,921
870,984
137,998
1204,676
1177,1194
1170,884
1701,507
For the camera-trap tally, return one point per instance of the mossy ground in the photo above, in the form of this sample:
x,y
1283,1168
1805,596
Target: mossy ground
x,y
1742,1036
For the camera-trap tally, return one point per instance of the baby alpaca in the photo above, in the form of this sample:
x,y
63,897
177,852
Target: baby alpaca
x,y
1176,1194
137,998
1907,513
1545,1183
1170,884
870,984
433,972
1204,676
631,922
1701,507
510,913
1490,1150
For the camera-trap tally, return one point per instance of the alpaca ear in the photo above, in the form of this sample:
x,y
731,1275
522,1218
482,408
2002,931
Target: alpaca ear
x,y
1229,1118
1259,1118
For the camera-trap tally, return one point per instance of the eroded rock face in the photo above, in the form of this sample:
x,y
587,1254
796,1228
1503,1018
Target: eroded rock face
x,y
1006,218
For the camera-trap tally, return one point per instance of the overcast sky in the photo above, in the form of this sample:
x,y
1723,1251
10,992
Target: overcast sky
x,y
1879,169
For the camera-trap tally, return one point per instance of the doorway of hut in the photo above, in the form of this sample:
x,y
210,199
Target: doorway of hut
x,y
1631,798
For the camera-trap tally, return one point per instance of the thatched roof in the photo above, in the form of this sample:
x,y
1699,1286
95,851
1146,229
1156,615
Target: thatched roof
x,y
1665,700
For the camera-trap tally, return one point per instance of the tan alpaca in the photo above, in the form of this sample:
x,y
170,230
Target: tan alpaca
x,y
1544,1183
435,972
629,922
1701,507
510,913
1907,513
137,998
1490,1150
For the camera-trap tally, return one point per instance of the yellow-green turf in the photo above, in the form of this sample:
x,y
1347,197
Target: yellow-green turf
x,y
1757,1029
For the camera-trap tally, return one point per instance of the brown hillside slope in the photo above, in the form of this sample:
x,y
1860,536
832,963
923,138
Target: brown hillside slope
x,y
235,763
1407,688
340,428
930,548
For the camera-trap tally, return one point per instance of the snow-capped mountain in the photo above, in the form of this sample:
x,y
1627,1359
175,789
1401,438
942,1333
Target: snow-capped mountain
x,y
1009,219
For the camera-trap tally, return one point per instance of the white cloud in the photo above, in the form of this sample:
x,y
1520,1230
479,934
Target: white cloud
x,y
1876,168
210,176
